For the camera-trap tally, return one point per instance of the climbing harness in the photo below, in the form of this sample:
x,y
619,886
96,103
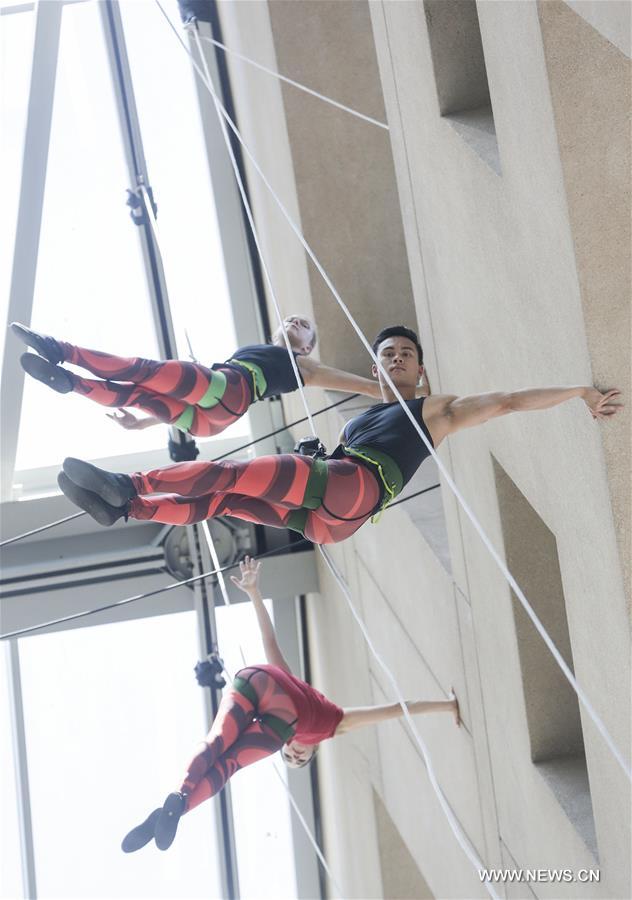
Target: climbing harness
x,y
259,383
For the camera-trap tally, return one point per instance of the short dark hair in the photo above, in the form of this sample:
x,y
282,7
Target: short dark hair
x,y
399,331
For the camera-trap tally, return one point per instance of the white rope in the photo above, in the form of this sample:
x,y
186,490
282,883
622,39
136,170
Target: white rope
x,y
296,84
206,78
220,577
255,235
312,839
205,528
585,701
453,822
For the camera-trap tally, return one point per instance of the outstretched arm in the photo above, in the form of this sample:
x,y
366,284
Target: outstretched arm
x,y
445,415
316,374
361,716
249,584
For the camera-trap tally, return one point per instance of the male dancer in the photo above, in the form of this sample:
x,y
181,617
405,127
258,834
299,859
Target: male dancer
x,y
326,500
194,398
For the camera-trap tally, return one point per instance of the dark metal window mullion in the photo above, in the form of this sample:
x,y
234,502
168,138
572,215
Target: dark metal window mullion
x,y
139,174
207,626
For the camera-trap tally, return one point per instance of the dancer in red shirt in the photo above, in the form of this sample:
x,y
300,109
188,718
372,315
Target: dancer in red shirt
x,y
265,710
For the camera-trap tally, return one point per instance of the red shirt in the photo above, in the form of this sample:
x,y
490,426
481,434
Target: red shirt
x,y
318,717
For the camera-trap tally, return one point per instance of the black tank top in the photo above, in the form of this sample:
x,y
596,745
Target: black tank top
x,y
386,427
275,364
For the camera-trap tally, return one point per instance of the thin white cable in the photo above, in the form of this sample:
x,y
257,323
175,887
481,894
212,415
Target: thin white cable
x,y
453,822
312,839
205,528
216,563
255,234
584,699
220,576
206,78
294,805
296,84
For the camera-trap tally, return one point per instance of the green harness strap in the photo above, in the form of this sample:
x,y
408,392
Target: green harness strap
x,y
214,393
185,420
215,390
259,383
389,473
280,728
245,689
313,497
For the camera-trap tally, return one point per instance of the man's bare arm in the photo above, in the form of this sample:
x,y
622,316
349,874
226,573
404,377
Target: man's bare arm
x,y
447,414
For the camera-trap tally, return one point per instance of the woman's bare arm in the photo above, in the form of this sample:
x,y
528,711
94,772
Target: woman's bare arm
x,y
359,717
315,374
249,584
128,420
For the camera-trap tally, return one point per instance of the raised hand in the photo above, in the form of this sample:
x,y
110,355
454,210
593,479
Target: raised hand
x,y
249,580
128,420
600,404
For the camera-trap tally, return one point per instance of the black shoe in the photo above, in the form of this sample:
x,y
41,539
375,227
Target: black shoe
x,y
141,835
52,376
95,506
114,488
46,346
167,822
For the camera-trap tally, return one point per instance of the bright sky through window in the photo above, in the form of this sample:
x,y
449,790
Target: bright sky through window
x,y
112,715
91,283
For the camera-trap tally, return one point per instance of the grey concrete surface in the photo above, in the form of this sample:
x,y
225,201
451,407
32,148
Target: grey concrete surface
x,y
513,281
611,18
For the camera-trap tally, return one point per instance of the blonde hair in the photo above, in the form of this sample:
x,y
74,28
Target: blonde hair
x,y
278,333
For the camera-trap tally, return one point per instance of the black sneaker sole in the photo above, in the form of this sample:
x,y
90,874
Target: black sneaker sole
x,y
106,484
44,345
167,821
141,835
51,375
94,505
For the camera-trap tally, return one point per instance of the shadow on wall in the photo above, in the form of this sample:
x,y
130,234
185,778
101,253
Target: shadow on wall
x,y
551,705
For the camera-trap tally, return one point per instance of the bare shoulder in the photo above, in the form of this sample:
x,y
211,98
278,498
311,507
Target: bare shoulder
x,y
306,363
307,367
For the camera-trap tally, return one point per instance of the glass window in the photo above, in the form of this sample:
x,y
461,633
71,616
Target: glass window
x,y
261,809
112,716
168,110
91,286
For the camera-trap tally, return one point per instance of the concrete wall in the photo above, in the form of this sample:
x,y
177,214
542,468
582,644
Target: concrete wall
x,y
513,267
